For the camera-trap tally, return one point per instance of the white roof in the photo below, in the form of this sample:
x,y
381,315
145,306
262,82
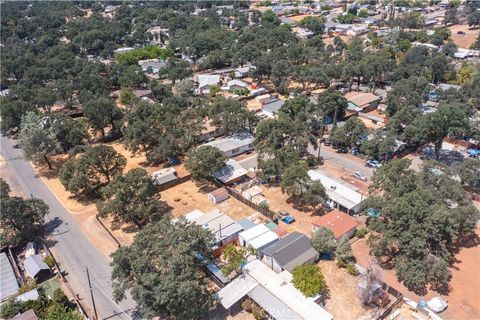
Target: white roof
x,y
232,142
221,225
206,80
273,293
191,216
237,82
339,191
258,236
164,175
230,171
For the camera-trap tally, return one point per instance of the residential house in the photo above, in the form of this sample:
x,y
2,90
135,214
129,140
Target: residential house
x,y
8,280
163,176
36,268
242,72
265,98
152,66
224,229
231,172
233,145
205,81
123,50
271,108
273,292
303,33
361,101
343,195
340,223
236,84
257,237
289,252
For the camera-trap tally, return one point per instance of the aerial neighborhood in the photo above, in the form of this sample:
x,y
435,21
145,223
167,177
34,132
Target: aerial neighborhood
x,y
240,160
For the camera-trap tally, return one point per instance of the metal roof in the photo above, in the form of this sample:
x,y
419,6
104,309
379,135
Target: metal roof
x,y
291,251
230,171
274,292
8,280
232,142
221,225
34,264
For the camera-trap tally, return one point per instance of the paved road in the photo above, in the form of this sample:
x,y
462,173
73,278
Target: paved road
x,y
72,249
342,160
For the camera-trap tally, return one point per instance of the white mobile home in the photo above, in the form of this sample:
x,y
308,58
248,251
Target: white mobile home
x,y
233,145
164,175
257,237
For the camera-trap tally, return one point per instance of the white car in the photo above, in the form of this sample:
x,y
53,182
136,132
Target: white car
x,y
359,176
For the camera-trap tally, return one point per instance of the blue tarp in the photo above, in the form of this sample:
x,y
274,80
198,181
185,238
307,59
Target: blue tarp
x,y
473,152
373,213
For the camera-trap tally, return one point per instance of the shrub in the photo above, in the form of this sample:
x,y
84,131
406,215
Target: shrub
x,y
342,263
50,261
30,284
10,309
352,270
247,305
361,232
308,279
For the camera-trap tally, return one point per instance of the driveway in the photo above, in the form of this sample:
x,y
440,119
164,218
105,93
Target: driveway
x,y
71,248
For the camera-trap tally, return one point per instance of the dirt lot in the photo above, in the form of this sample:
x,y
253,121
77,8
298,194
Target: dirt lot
x,y
186,197
342,289
464,295
463,40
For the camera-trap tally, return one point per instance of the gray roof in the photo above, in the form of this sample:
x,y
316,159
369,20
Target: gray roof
x,y
8,281
273,106
29,295
34,264
246,224
291,251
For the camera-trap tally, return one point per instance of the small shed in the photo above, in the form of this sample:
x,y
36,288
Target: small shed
x,y
257,237
218,195
164,175
35,267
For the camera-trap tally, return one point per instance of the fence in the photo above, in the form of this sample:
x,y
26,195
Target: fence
x,y
390,308
233,193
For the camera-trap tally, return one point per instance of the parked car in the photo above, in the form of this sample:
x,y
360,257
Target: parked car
x,y
437,304
285,216
460,32
373,164
359,176
173,161
327,142
342,150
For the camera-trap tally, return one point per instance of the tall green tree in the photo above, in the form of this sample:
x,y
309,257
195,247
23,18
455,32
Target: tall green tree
x,y
323,240
102,113
409,204
202,162
166,279
131,198
21,220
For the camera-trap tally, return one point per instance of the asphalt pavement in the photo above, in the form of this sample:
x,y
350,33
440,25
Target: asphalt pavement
x,y
342,160
72,250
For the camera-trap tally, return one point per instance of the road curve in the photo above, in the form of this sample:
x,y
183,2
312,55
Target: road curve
x,y
72,249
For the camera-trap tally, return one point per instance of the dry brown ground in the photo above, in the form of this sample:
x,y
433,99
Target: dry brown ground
x,y
343,302
463,40
189,197
464,290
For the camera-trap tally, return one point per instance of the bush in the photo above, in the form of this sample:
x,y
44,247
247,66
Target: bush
x,y
361,232
247,305
10,309
257,312
342,263
312,161
352,270
30,284
308,279
50,261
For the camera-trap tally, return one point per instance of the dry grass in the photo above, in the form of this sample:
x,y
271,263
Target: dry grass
x,y
463,40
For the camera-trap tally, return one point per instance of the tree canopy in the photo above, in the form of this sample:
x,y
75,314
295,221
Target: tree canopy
x,y
411,203
166,278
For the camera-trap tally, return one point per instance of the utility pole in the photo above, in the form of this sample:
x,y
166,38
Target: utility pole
x,y
91,294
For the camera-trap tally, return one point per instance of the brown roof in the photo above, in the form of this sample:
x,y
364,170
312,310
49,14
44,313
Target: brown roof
x,y
361,98
219,192
340,223
27,315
